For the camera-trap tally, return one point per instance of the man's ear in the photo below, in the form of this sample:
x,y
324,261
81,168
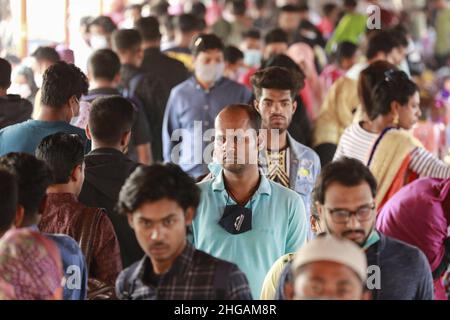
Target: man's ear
x,y
294,106
75,175
189,216
256,105
367,295
130,220
88,132
20,215
125,141
289,290
117,78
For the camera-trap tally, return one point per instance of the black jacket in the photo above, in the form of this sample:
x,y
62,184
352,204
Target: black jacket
x,y
105,173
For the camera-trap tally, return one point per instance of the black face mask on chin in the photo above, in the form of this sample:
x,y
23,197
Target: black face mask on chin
x,y
236,219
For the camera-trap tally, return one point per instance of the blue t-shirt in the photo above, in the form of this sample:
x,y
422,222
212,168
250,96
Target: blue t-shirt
x,y
26,136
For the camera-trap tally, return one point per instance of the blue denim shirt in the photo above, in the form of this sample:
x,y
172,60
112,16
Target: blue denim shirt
x,y
187,104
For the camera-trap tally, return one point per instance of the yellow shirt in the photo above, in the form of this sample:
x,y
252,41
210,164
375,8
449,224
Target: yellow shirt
x,y
272,278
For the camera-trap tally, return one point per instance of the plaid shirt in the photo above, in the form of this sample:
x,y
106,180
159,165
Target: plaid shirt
x,y
194,275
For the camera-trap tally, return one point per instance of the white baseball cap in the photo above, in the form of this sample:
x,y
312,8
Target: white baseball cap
x,y
334,249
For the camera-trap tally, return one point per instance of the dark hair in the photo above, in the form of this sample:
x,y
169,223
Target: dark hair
x,y
126,40
328,8
290,8
46,54
156,182
148,27
105,23
134,6
187,23
253,115
5,73
62,152
104,64
345,171
232,54
276,35
8,199
345,50
61,82
350,3
379,85
279,78
161,8
259,4
198,9
400,34
238,7
86,21
204,42
110,110
252,34
380,41
33,177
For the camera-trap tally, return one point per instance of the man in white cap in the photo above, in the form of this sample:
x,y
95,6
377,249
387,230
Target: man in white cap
x,y
330,268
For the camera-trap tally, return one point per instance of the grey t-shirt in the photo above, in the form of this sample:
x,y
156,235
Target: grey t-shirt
x,y
404,272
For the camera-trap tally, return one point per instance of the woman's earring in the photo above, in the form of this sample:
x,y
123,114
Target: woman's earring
x,y
396,120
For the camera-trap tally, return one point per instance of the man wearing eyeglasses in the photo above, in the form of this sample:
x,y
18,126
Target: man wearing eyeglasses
x,y
344,198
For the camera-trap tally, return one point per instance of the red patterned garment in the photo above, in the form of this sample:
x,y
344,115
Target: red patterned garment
x,y
64,214
30,267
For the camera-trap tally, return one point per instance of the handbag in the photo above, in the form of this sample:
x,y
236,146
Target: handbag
x,y
97,289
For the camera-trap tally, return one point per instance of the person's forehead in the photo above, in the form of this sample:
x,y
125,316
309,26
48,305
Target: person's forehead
x,y
329,271
340,196
212,53
275,94
232,121
159,209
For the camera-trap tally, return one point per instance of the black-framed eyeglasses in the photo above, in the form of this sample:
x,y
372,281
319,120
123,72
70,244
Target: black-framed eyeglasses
x,y
362,214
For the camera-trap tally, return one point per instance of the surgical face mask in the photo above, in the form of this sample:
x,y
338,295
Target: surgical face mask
x,y
209,72
252,57
99,42
38,79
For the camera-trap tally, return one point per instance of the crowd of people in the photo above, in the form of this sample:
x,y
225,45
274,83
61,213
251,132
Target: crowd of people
x,y
230,150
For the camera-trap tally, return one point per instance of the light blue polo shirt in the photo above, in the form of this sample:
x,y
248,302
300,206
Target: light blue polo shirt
x,y
279,226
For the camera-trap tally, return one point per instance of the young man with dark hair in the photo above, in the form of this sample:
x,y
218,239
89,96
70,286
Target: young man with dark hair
x,y
33,177
289,17
44,57
234,63
104,76
100,31
275,42
170,71
59,104
251,46
345,201
160,202
243,217
147,88
107,167
63,213
187,27
199,98
13,108
283,160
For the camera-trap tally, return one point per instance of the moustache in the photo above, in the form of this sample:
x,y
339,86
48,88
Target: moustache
x,y
349,232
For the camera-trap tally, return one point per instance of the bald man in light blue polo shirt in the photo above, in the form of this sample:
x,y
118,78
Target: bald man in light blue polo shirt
x,y
243,217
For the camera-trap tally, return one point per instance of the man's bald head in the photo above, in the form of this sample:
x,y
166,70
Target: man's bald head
x,y
240,114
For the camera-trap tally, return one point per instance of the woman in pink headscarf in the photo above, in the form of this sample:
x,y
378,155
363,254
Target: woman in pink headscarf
x,y
419,214
30,267
311,94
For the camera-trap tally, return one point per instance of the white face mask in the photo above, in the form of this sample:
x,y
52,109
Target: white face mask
x,y
252,57
209,72
98,42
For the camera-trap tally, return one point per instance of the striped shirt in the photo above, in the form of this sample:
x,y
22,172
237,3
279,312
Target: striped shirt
x,y
357,143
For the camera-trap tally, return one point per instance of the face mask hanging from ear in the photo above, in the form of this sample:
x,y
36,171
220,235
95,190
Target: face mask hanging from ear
x,y
236,219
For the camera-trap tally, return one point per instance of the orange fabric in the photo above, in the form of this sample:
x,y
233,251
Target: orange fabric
x,y
403,177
